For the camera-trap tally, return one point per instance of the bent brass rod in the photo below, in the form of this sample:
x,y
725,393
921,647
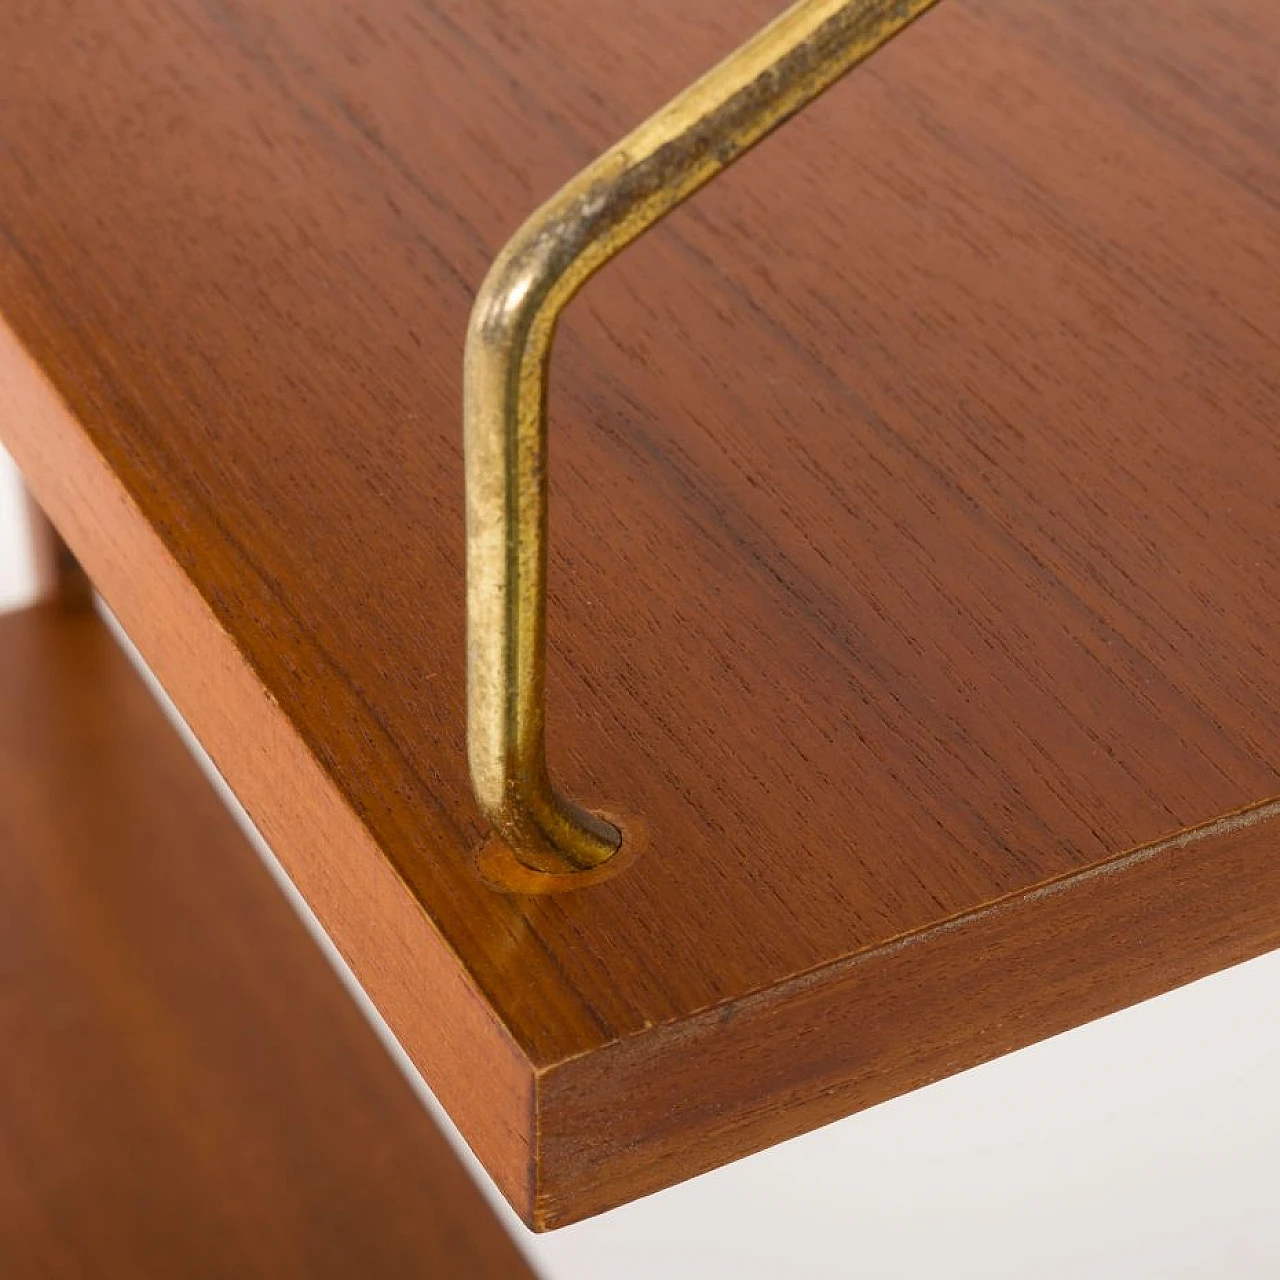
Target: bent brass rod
x,y
593,217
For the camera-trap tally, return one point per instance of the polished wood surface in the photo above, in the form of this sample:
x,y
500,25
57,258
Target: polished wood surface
x,y
913,522
185,1088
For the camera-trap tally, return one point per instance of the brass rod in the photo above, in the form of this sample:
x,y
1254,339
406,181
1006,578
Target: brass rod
x,y
593,217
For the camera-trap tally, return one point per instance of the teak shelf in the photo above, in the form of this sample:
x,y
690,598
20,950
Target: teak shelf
x,y
186,1090
915,520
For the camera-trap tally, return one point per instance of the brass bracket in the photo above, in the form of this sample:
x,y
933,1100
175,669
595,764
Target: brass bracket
x,y
593,217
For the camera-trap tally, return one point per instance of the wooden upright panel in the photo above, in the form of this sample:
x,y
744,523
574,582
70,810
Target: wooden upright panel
x,y
185,1088
914,522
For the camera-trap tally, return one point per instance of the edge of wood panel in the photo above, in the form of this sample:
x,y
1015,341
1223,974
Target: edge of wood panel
x,y
654,1110
444,1023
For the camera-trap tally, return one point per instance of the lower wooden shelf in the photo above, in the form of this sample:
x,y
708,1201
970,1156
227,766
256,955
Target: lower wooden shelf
x,y
185,1089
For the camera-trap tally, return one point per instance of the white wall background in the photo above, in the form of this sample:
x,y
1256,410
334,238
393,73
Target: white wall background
x,y
1144,1145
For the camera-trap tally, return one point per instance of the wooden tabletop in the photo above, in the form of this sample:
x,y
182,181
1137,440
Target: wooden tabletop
x,y
914,511
185,1088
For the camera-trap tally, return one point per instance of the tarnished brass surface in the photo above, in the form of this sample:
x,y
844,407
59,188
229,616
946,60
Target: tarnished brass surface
x,y
592,218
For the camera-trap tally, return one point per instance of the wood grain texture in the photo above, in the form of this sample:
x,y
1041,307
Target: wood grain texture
x,y
185,1088
913,521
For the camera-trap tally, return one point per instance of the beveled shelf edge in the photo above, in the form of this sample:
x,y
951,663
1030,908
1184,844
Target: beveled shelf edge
x,y
448,1030
1061,954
